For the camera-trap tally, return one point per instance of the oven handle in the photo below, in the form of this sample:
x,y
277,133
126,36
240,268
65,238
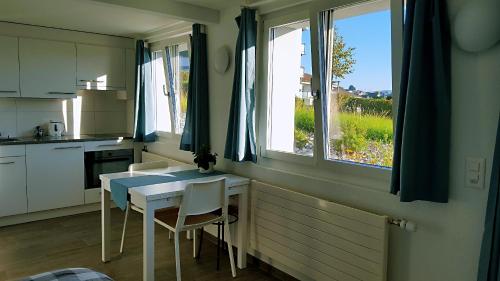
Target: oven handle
x,y
111,160
105,145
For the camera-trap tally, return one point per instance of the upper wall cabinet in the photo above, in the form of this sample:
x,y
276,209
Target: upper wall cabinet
x,y
47,68
100,68
9,67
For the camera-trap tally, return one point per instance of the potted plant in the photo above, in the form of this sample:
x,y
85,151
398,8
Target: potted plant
x,y
205,160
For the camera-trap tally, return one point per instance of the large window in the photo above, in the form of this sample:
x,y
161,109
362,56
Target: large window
x,y
357,108
170,62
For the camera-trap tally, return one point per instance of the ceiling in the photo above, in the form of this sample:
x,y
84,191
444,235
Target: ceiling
x,y
89,16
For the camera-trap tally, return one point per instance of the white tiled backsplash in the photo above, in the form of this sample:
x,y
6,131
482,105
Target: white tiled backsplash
x,y
92,112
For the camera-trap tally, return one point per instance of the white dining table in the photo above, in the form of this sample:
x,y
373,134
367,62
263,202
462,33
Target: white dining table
x,y
157,196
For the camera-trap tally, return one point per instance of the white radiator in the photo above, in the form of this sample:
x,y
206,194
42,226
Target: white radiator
x,y
150,157
314,239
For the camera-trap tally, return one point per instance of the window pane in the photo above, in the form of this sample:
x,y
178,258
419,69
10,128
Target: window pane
x,y
360,100
162,105
182,86
291,110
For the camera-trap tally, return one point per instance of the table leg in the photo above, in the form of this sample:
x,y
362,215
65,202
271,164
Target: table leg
x,y
106,224
242,228
148,244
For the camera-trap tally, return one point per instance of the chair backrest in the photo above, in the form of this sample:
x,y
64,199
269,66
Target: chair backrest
x,y
147,166
204,197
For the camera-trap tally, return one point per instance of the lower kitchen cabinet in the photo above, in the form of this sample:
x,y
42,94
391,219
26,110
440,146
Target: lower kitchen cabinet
x,y
13,186
55,175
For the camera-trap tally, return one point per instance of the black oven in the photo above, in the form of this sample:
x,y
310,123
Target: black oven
x,y
104,162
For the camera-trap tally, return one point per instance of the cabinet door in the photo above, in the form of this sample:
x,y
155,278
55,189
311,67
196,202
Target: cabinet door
x,y
9,67
12,186
55,176
48,68
101,68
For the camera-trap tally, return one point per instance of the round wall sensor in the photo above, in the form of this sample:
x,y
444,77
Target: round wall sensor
x,y
221,60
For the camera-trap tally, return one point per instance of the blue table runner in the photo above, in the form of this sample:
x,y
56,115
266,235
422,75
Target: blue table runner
x,y
119,187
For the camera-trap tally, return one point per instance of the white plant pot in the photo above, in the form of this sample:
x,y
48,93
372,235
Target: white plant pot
x,y
210,168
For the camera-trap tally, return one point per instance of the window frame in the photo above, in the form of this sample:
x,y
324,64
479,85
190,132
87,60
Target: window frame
x,y
160,46
318,161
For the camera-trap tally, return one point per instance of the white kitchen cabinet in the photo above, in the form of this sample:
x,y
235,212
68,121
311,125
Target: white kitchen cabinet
x,y
9,67
100,67
13,186
47,68
55,175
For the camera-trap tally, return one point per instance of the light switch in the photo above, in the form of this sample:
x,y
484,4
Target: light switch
x,y
474,172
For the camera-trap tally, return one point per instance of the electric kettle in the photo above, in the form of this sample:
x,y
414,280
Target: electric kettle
x,y
56,129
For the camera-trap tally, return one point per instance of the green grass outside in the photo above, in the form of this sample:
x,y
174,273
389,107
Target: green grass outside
x,y
365,138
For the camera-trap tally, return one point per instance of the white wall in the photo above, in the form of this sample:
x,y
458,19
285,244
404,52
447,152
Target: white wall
x,y
447,244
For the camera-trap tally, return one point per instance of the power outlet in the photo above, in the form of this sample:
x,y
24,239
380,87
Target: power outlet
x,y
474,172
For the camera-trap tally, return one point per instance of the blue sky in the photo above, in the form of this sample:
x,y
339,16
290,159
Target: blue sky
x,y
370,35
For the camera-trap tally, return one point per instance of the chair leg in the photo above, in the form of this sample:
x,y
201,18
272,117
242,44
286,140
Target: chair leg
x,y
230,248
218,245
222,240
198,255
124,227
177,256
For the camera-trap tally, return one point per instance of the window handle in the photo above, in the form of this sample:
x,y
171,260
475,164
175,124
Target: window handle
x,y
165,92
316,95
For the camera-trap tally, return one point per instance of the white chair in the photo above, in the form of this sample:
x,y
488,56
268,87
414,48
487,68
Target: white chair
x,y
198,203
133,168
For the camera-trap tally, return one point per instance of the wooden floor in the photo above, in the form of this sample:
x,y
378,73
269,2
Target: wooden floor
x,y
75,241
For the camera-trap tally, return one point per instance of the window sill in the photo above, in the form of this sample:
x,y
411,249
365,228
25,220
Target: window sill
x,y
288,157
332,171
162,136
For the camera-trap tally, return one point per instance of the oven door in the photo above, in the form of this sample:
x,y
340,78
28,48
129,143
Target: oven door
x,y
105,162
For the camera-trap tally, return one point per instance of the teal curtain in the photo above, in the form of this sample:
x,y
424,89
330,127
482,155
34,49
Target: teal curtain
x,y
196,132
144,123
422,136
240,139
489,261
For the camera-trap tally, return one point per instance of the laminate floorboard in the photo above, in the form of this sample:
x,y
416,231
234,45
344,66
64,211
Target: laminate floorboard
x,y
75,241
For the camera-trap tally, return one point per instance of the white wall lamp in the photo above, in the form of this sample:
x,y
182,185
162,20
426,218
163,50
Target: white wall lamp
x,y
222,60
477,25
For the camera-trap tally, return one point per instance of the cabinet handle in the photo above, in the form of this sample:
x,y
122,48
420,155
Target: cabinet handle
x,y
8,92
67,147
60,93
7,163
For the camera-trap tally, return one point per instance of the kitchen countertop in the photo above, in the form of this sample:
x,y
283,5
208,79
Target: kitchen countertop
x,y
69,138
